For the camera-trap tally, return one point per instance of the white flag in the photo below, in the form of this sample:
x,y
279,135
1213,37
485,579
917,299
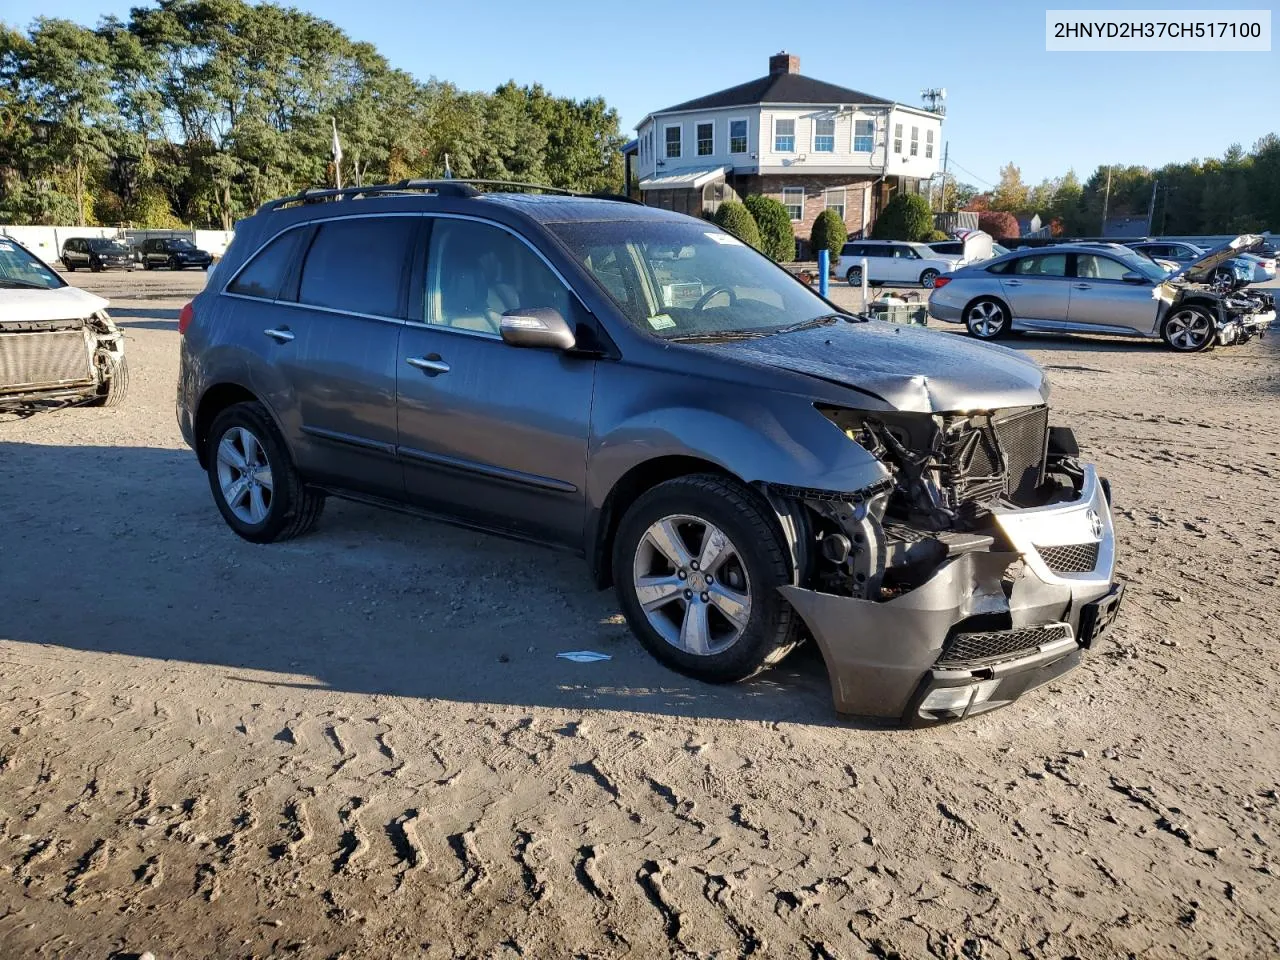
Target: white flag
x,y
337,147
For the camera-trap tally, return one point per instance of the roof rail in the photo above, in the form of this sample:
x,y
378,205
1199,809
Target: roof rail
x,y
443,188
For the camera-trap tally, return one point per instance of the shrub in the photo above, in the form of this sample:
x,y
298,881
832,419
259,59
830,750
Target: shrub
x,y
777,239
828,232
906,217
1000,224
935,236
737,219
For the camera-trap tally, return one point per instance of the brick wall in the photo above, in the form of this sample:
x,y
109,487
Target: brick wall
x,y
815,200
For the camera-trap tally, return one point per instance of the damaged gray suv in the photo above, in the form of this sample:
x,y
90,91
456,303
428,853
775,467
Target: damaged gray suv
x,y
748,465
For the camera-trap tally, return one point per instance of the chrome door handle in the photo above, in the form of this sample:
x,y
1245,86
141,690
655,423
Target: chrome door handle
x,y
1013,283
431,366
1084,286
279,335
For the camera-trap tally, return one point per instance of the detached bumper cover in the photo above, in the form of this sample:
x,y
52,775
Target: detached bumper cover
x,y
887,659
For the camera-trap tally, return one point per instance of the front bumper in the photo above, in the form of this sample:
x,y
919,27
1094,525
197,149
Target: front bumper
x,y
990,625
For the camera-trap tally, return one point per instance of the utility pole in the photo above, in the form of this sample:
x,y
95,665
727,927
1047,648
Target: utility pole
x,y
1151,208
946,154
1106,201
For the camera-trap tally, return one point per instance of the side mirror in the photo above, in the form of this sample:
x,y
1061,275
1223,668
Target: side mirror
x,y
1132,277
537,327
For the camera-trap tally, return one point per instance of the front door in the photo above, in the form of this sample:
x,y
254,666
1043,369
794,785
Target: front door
x,y
488,432
1100,297
1037,287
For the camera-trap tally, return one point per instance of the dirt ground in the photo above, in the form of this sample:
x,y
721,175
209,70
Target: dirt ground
x,y
361,744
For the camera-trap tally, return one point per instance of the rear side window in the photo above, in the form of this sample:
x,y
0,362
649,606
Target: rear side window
x,y
357,265
266,273
1001,267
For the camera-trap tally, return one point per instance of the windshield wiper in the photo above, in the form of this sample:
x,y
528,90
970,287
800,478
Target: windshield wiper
x,y
822,321
22,284
718,335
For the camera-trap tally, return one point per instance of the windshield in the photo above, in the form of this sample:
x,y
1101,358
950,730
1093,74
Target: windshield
x,y
19,269
107,246
677,280
181,245
999,249
1144,265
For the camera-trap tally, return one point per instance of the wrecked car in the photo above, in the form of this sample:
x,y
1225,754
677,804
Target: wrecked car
x,y
746,464
1108,289
58,345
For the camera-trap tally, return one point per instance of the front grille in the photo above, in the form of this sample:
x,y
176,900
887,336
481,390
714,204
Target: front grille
x,y
1023,437
33,360
1070,558
970,649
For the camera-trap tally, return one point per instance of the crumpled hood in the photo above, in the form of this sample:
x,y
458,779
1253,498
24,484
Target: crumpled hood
x,y
1200,268
913,369
33,306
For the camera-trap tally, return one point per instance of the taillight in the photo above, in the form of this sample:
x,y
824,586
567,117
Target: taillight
x,y
184,318
941,282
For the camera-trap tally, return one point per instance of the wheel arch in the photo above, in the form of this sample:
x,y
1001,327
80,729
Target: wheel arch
x,y
216,399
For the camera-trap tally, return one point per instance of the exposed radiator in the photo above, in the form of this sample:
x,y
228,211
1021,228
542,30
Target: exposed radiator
x,y
30,361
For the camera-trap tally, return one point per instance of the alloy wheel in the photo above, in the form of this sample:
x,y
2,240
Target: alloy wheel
x,y
1189,329
244,475
692,585
986,319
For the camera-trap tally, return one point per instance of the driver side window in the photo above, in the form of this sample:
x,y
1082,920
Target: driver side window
x,y
1095,267
476,272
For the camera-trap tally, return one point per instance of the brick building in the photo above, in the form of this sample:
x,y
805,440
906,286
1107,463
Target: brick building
x,y
807,143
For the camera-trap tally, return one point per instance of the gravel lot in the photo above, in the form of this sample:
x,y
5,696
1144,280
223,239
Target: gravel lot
x,y
360,744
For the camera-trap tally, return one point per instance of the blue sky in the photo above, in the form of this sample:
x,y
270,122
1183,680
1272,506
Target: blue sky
x,y
1008,99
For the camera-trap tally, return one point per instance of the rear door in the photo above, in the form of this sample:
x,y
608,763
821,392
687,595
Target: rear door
x,y
1101,297
328,336
1037,287
491,433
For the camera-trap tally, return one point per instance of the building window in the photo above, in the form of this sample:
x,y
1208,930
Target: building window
x,y
824,135
737,136
706,139
928,143
672,133
915,141
897,138
784,136
864,136
793,200
835,197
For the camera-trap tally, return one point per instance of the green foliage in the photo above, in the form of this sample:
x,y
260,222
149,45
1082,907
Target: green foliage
x,y
935,236
197,111
735,218
829,233
906,217
777,238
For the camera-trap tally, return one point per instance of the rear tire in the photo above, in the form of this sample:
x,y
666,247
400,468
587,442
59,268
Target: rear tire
x,y
113,392
255,485
752,562
854,277
987,318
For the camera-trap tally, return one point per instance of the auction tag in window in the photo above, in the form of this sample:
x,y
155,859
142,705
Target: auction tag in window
x,y
661,321
724,238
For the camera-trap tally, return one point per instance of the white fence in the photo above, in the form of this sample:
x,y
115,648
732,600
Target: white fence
x,y
46,242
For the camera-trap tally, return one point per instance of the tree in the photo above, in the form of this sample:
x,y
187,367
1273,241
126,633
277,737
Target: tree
x,y
1010,193
999,223
906,217
735,218
828,233
777,238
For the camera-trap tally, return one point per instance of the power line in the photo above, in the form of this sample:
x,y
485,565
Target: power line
x,y
974,175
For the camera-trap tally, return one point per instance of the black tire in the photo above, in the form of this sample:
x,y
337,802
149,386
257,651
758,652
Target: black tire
x,y
773,628
1222,275
854,277
113,392
993,310
71,267
928,278
205,268
146,264
174,265
1188,329
95,267
294,508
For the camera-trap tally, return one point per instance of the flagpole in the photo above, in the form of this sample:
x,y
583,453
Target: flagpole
x,y
337,155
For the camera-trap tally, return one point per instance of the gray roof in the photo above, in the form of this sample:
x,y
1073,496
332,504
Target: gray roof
x,y
777,88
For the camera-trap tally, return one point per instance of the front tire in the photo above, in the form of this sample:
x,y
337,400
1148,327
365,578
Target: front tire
x,y
987,318
258,490
1188,329
697,562
929,278
71,267
854,277
116,387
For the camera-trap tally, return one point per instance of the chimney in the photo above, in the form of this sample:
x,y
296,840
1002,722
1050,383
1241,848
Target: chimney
x,y
784,62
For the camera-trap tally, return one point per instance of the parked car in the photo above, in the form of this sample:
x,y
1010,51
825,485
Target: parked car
x,y
96,254
1168,266
174,253
1244,268
893,261
745,465
57,343
1105,288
